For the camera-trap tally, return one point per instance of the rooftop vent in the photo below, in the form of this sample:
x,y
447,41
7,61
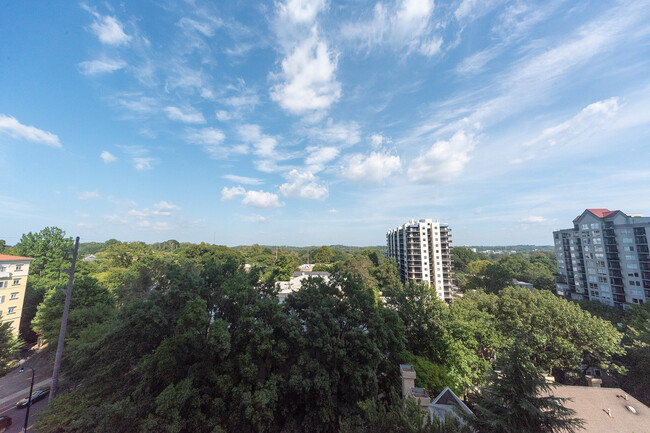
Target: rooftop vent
x,y
631,409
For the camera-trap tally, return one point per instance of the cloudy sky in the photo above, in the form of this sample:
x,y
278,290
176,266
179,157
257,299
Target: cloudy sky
x,y
321,122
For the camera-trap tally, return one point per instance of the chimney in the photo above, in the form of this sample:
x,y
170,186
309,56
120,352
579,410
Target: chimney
x,y
594,382
408,378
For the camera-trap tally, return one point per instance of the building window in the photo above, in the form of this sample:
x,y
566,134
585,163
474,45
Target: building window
x,y
2,268
16,281
19,267
595,226
3,284
2,298
14,295
11,310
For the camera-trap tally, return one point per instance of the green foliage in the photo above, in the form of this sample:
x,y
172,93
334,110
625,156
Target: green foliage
x,y
322,255
488,276
283,268
386,417
475,271
90,304
9,347
431,376
425,317
49,248
518,400
559,334
461,257
51,251
208,349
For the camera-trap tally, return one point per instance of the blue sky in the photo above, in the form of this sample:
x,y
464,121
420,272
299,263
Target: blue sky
x,y
321,122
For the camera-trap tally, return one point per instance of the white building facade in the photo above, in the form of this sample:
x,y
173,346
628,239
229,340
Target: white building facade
x,y
423,253
604,257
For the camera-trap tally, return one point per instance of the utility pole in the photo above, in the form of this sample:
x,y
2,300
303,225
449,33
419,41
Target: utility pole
x,y
64,321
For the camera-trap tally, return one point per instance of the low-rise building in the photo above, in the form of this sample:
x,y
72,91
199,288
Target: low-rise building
x,y
445,404
296,281
13,283
605,410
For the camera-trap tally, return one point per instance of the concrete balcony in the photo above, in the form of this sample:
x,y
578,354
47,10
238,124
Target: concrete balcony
x,y
5,274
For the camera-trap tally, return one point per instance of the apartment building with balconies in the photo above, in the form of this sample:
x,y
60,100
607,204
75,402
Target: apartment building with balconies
x,y
422,250
604,257
13,283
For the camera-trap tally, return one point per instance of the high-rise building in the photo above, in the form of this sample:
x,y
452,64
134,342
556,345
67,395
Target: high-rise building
x,y
605,258
422,251
13,282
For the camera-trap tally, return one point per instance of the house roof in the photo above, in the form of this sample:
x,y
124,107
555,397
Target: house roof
x,y
449,398
591,404
600,213
8,258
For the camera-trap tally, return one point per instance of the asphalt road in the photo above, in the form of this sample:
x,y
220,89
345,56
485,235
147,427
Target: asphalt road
x,y
14,386
18,415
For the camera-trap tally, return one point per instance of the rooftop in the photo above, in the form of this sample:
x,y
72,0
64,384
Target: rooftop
x,y
600,213
592,405
8,258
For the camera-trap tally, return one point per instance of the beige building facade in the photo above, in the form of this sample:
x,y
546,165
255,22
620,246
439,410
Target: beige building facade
x,y
423,252
13,283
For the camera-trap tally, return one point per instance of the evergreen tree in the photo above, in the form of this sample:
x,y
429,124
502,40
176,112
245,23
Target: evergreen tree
x,y
518,400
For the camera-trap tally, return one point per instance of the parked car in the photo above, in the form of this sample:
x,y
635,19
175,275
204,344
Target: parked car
x,y
37,395
5,422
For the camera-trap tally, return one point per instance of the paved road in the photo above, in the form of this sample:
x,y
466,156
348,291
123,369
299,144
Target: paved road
x,y
18,415
14,386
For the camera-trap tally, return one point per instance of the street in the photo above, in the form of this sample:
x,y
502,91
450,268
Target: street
x,y
14,386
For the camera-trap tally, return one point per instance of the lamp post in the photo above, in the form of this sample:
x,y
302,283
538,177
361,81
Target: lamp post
x,y
29,398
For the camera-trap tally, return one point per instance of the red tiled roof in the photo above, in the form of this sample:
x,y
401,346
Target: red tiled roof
x,y
5,257
600,213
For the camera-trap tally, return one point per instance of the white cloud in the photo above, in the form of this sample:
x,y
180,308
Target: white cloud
x,y
143,163
592,116
164,208
107,28
319,157
136,103
256,219
243,179
87,195
376,140
300,11
303,185
402,24
261,199
308,78
444,160
12,127
533,219
263,144
246,100
206,28
188,115
343,132
332,211
108,157
210,140
469,10
230,193
373,168
93,67
223,115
